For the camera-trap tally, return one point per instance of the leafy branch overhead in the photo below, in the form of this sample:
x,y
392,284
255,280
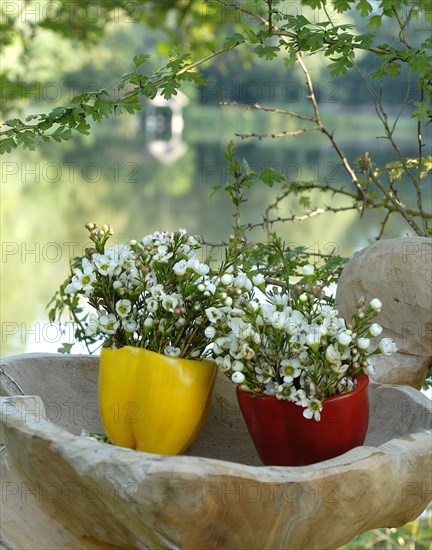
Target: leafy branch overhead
x,y
279,32
272,29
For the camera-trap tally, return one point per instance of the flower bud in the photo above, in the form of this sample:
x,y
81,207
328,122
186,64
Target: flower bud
x,y
376,304
375,329
238,377
363,343
308,270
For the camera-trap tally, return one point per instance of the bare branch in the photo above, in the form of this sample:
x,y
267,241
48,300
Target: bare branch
x,y
259,107
278,134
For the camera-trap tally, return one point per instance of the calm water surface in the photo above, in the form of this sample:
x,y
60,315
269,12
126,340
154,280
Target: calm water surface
x,y
112,177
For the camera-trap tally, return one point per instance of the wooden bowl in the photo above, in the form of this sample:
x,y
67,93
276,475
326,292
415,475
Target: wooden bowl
x,y
63,491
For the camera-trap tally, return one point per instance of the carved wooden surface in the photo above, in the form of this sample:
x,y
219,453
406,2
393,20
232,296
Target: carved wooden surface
x,y
89,495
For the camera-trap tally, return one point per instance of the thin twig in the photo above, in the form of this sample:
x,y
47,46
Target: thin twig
x,y
383,224
259,107
324,130
396,203
379,108
278,134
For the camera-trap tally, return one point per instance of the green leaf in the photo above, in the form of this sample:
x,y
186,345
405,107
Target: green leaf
x,y
27,140
61,133
104,107
269,176
66,348
140,59
6,145
305,202
340,65
269,52
374,22
364,8
234,40
252,37
423,110
169,89
341,5
393,69
229,152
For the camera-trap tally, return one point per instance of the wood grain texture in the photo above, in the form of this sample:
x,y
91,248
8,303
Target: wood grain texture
x,y
217,496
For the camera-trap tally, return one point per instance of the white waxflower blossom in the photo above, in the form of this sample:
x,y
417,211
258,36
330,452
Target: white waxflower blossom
x,y
313,339
254,305
93,325
247,352
303,297
224,363
117,285
162,255
104,265
290,369
242,281
258,279
308,269
172,351
180,268
157,292
281,301
123,307
375,329
387,346
313,410
148,323
267,311
328,312
363,343
238,377
71,289
109,323
169,302
237,366
83,279
213,314
339,368
197,266
130,326
227,279
376,304
210,287
344,338
210,332
152,305
333,355
278,320
300,398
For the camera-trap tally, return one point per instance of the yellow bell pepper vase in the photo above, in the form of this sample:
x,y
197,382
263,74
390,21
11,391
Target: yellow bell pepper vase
x,y
152,402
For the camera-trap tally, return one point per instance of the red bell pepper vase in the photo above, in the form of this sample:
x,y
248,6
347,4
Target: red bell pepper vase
x,y
284,437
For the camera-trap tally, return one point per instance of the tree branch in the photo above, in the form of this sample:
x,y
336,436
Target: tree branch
x,y
278,134
259,107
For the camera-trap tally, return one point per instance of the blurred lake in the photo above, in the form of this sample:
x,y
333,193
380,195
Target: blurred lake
x,y
117,175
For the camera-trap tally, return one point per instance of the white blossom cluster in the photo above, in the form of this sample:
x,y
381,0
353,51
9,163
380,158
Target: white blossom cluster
x,y
153,293
294,346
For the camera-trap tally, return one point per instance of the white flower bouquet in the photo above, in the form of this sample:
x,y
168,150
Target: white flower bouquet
x,y
288,341
156,293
